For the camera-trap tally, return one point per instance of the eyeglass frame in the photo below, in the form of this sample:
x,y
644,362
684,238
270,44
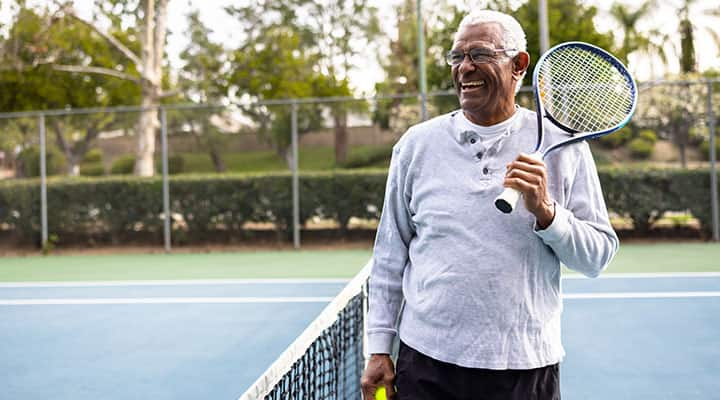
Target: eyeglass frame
x,y
467,53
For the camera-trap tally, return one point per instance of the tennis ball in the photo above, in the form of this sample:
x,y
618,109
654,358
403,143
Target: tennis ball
x,y
380,393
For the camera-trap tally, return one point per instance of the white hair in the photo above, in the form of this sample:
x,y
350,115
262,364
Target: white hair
x,y
513,35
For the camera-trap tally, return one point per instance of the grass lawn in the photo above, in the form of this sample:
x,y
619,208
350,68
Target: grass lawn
x,y
632,258
311,159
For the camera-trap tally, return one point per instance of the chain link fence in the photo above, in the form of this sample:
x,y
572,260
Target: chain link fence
x,y
674,126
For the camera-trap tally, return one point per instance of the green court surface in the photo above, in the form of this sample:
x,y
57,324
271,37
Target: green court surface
x,y
632,258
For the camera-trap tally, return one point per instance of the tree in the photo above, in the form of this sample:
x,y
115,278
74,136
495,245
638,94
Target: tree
x,y
330,33
269,67
666,110
142,44
654,45
203,80
569,19
29,81
627,19
401,66
688,63
341,29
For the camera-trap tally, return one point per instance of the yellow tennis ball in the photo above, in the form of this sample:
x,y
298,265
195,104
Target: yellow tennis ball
x,y
380,393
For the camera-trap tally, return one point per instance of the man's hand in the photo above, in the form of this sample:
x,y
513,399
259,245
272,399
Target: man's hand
x,y
528,175
380,371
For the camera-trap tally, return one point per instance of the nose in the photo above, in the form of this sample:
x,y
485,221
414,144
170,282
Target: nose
x,y
466,64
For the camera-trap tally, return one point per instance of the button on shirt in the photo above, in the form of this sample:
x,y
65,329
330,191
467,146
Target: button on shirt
x,y
481,288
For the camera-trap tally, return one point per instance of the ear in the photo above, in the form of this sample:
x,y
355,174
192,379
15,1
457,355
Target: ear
x,y
520,64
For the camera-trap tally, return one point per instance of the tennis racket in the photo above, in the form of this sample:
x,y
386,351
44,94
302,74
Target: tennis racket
x,y
583,90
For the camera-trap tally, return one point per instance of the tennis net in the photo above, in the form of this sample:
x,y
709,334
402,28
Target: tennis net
x,y
327,360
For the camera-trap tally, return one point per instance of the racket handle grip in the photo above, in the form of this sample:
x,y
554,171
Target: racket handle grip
x,y
507,200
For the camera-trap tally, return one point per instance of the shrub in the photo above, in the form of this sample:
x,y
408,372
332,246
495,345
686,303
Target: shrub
x,y
617,139
93,156
705,149
123,165
648,135
214,206
29,162
641,148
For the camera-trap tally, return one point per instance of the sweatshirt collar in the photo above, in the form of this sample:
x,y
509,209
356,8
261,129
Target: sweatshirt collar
x,y
464,129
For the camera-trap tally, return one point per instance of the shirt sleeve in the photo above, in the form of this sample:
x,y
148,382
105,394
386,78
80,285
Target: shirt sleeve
x,y
390,256
580,234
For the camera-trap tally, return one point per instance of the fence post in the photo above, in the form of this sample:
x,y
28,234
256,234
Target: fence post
x,y
421,62
295,178
43,184
165,180
713,168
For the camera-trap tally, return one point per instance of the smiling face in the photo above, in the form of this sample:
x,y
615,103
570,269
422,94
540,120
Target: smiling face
x,y
486,91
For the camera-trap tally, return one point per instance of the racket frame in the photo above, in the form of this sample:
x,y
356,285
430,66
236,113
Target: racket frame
x,y
507,200
588,135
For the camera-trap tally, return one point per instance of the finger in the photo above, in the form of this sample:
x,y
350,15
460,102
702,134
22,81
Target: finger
x,y
369,386
529,177
368,392
520,185
390,390
530,159
533,168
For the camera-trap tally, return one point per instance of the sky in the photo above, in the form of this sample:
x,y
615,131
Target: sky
x,y
368,70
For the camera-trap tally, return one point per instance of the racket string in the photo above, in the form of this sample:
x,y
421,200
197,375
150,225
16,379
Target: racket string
x,y
583,91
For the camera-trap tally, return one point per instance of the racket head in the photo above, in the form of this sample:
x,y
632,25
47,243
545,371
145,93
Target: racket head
x,y
584,90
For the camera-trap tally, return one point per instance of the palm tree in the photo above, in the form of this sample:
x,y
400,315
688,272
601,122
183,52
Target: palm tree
x,y
714,12
628,18
654,45
715,36
688,62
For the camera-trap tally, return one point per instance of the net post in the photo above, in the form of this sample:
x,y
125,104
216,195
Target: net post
x,y
43,183
165,180
295,177
713,167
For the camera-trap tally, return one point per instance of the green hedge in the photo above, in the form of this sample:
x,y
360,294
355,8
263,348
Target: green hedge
x,y
644,195
119,209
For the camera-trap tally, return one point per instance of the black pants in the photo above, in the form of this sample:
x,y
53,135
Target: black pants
x,y
419,377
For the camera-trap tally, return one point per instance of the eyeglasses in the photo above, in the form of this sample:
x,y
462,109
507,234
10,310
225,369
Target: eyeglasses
x,y
478,55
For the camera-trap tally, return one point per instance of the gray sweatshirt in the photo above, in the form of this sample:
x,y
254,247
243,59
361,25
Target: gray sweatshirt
x,y
481,288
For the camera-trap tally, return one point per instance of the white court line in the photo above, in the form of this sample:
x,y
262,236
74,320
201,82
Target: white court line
x,y
164,300
645,275
310,281
639,295
177,282
256,300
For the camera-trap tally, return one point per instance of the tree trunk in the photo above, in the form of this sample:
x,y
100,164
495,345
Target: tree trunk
x,y
287,155
341,136
683,157
152,39
148,122
73,165
212,147
217,159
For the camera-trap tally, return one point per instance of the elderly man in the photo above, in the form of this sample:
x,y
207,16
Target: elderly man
x,y
481,289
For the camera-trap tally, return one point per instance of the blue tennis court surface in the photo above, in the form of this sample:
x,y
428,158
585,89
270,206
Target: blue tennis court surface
x,y
630,337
